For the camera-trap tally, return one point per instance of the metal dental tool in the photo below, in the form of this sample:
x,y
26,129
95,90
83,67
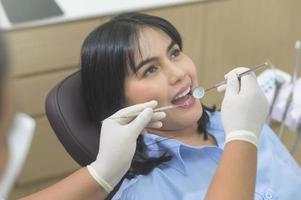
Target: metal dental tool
x,y
135,114
198,89
293,81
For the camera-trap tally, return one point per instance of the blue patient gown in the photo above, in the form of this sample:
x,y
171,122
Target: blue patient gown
x,y
188,175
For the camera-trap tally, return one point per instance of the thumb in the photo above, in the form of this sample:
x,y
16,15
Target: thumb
x,y
221,88
249,82
232,84
142,120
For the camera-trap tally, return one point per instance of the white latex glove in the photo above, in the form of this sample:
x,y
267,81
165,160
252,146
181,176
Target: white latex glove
x,y
244,107
118,142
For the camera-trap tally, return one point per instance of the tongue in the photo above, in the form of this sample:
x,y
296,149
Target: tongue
x,y
181,100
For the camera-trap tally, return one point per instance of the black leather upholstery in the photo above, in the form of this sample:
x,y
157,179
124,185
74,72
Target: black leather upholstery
x,y
68,117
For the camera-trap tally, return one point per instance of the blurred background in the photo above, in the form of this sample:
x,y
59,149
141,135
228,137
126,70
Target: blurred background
x,y
44,46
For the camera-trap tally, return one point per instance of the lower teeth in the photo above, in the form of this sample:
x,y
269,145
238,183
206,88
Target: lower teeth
x,y
186,96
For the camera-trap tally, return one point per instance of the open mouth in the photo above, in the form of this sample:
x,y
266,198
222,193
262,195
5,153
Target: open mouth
x,y
183,97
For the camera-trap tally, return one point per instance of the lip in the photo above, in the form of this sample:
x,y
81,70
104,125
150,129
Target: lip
x,y
189,103
187,85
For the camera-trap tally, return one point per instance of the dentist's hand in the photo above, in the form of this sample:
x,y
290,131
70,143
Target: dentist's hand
x,y
118,142
244,107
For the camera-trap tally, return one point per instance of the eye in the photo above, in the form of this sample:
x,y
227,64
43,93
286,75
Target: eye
x,y
175,53
151,69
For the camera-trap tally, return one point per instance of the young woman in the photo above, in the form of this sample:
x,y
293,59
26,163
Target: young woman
x,y
136,58
113,162
189,152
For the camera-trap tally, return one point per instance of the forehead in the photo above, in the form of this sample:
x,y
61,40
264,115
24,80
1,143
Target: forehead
x,y
152,41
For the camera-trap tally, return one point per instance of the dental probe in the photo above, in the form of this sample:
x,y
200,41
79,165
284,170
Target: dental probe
x,y
135,114
265,64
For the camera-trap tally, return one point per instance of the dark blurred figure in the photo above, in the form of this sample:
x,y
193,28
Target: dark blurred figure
x,y
5,104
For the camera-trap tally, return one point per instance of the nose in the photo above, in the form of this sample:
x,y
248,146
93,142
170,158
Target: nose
x,y
175,73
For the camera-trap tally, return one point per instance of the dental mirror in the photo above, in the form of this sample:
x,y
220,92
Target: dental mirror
x,y
198,92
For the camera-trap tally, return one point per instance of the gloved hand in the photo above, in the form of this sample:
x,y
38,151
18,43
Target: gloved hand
x,y
118,142
244,107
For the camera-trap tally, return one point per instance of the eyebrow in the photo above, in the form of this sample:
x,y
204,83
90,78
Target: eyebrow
x,y
143,62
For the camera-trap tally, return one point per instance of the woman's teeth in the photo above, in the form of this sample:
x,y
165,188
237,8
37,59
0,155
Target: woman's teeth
x,y
183,94
185,99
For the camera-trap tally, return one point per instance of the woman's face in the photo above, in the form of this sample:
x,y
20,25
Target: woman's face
x,y
167,75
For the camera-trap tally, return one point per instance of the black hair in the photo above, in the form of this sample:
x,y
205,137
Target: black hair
x,y
106,54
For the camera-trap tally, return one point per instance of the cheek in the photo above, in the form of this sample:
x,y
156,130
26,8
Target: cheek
x,y
190,68
143,92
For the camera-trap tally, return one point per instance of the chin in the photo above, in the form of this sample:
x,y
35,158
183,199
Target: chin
x,y
192,117
179,119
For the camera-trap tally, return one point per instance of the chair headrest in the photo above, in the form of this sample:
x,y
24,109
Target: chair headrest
x,y
69,119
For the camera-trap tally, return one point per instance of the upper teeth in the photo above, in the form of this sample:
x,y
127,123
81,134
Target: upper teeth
x,y
183,93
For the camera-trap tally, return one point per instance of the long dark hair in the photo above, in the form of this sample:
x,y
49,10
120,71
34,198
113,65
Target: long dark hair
x,y
106,54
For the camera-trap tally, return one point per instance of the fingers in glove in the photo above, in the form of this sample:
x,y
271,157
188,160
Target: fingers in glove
x,y
221,88
156,124
158,116
248,82
233,85
134,109
142,120
126,120
237,70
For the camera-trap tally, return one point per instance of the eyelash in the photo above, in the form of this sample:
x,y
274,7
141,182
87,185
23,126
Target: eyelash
x,y
145,73
174,54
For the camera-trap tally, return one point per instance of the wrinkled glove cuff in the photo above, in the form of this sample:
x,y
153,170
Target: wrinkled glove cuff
x,y
242,135
99,180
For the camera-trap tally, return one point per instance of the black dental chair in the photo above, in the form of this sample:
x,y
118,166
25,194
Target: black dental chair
x,y
66,113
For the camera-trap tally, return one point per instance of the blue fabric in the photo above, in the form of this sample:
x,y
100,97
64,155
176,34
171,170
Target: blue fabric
x,y
188,175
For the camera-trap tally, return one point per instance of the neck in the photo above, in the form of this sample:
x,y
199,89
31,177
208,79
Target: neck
x,y
188,135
